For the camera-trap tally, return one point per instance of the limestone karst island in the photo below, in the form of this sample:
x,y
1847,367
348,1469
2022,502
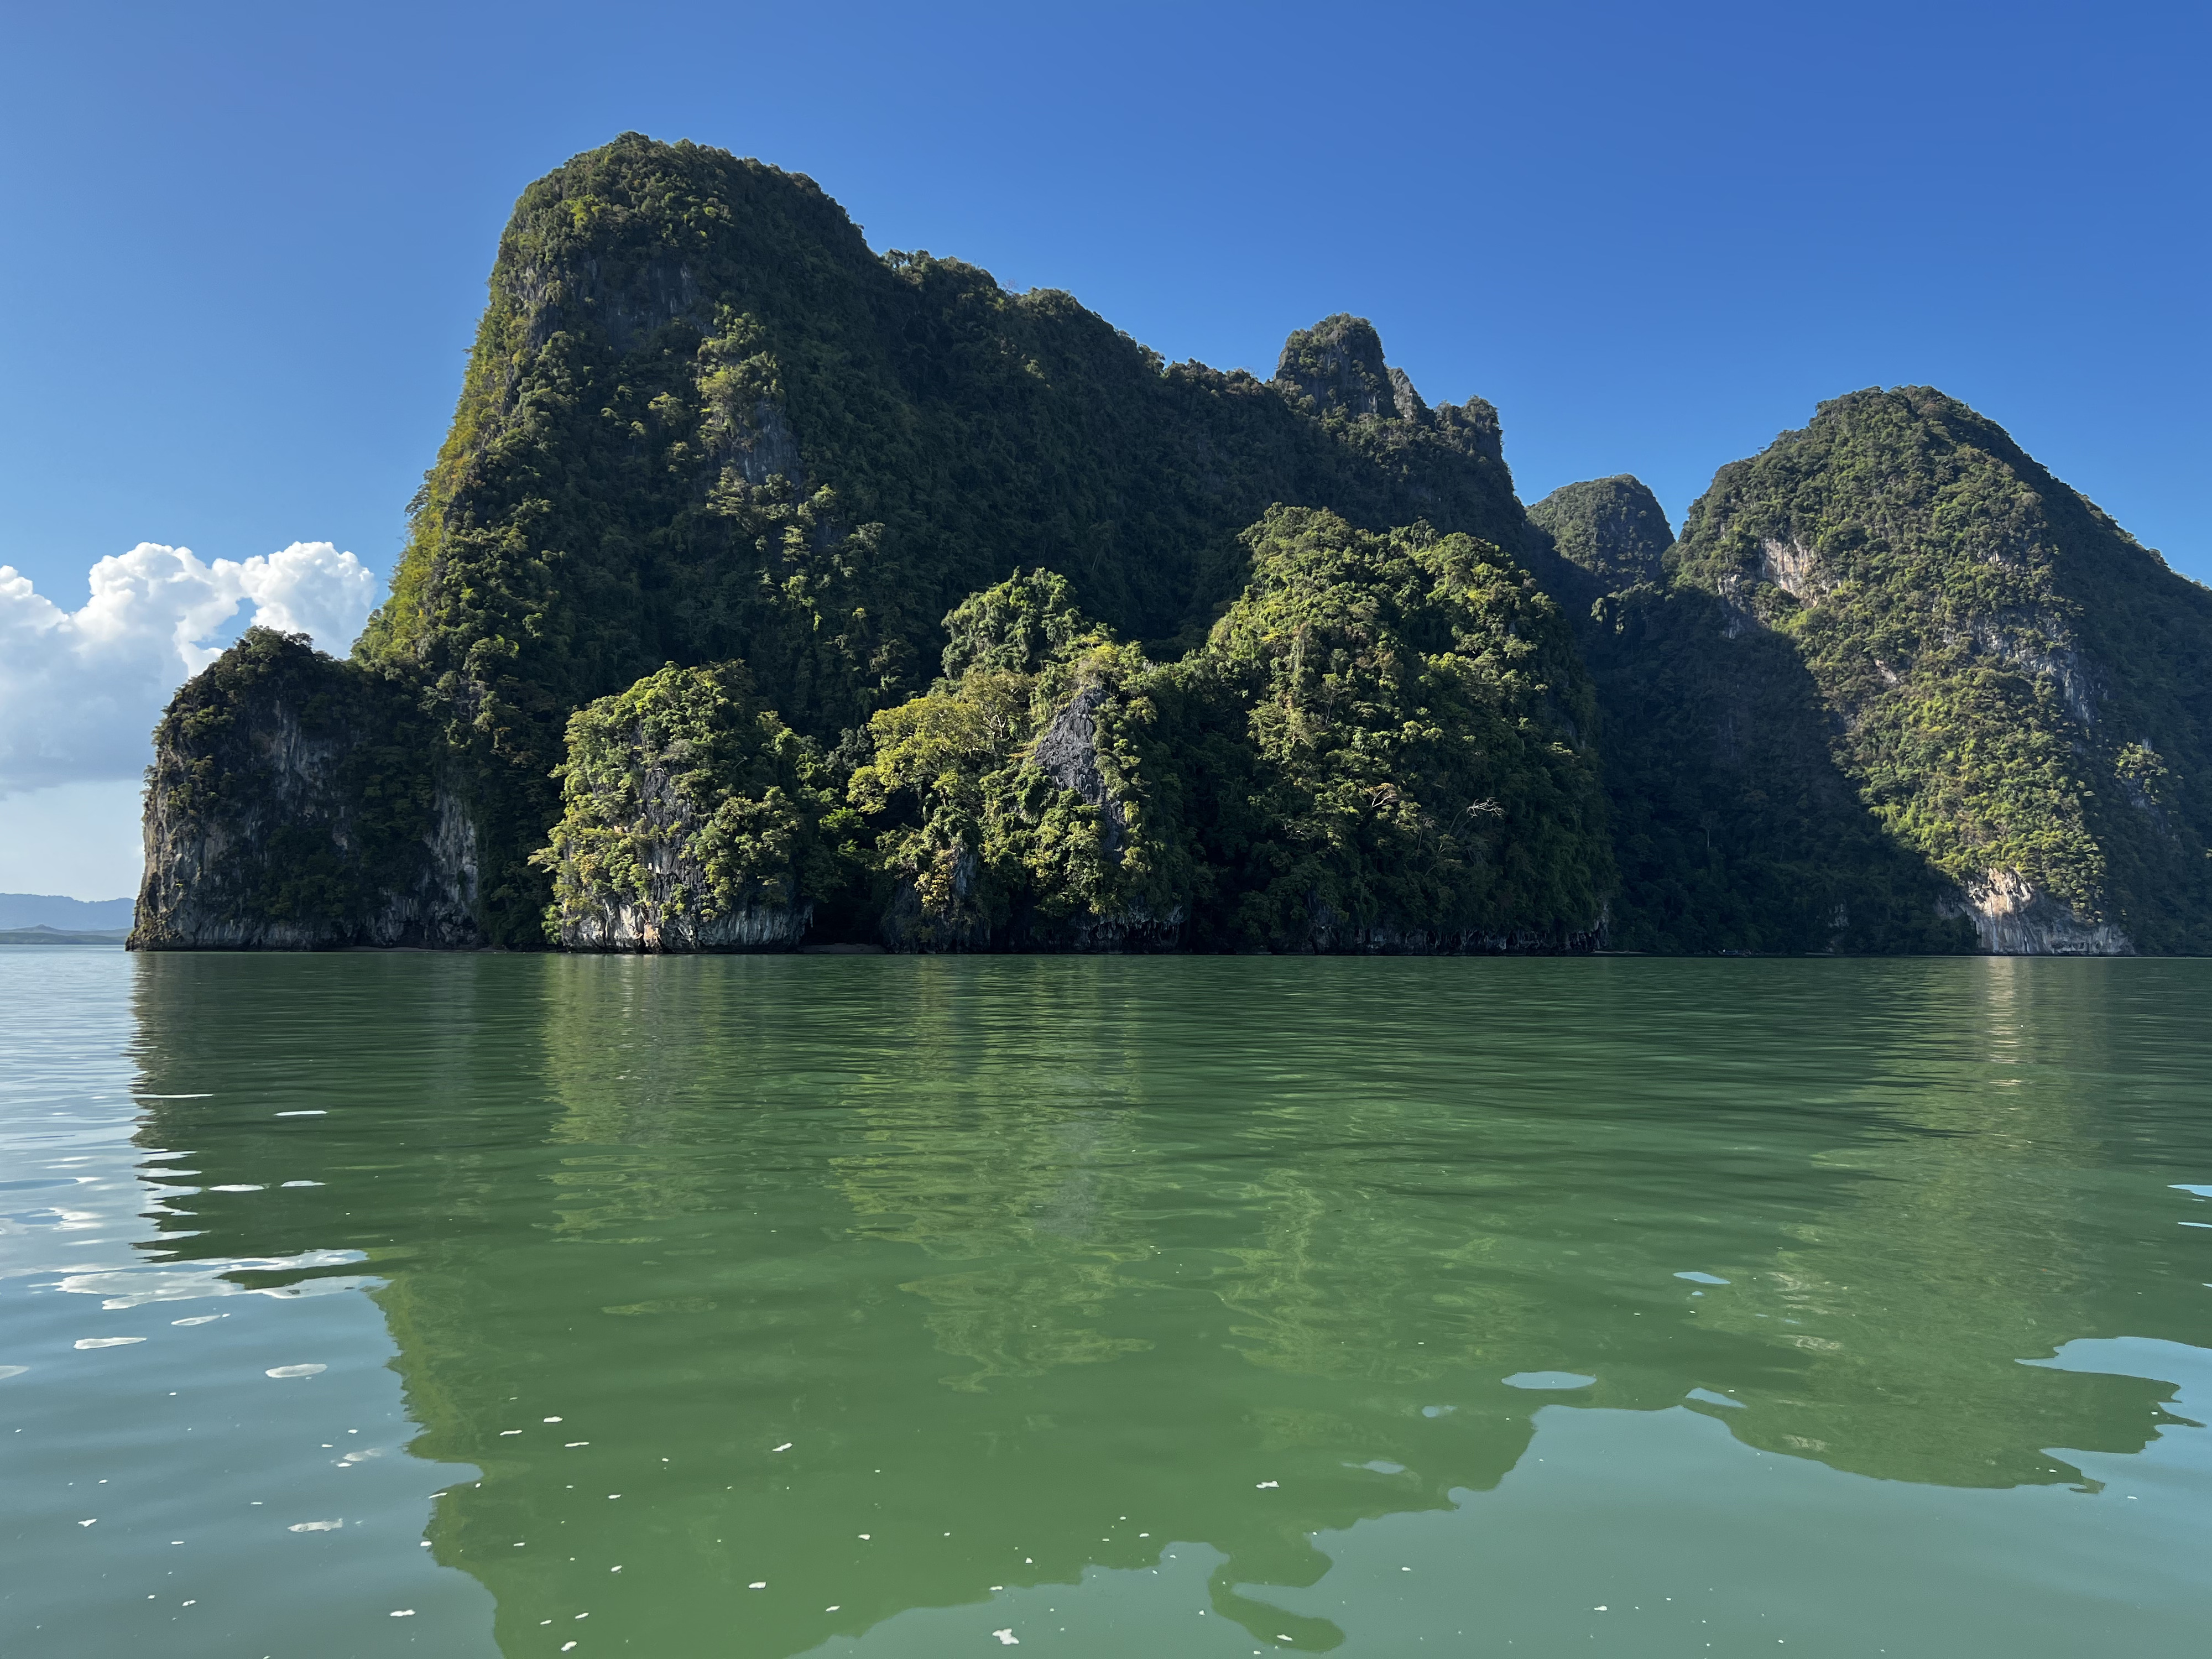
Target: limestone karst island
x,y
770,593
837,955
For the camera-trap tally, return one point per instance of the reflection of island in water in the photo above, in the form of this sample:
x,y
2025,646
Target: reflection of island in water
x,y
888,1283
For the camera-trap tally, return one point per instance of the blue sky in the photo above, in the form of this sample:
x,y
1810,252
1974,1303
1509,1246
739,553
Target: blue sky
x,y
247,244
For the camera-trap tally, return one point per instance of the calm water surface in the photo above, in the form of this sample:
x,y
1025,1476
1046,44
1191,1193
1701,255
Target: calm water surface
x,y
894,1309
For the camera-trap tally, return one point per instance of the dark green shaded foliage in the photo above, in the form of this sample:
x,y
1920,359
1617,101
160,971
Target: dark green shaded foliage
x,y
1612,530
2018,686
1734,828
702,420
299,791
692,817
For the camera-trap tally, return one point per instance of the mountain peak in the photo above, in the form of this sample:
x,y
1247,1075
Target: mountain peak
x,y
1611,528
1338,363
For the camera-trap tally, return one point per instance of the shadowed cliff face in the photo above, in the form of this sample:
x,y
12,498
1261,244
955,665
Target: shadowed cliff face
x,y
2020,693
1895,688
1612,531
295,803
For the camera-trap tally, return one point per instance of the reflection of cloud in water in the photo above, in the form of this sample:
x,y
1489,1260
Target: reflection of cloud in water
x,y
1683,1535
185,1281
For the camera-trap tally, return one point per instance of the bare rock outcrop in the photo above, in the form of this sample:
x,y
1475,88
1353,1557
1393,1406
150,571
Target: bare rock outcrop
x,y
2011,918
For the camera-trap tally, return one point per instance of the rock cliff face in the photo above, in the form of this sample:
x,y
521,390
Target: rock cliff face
x,y
659,894
1066,752
723,479
2000,665
650,928
2011,919
774,445
691,821
295,803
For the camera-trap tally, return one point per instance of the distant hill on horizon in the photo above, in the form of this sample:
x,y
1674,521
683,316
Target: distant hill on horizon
x,y
68,914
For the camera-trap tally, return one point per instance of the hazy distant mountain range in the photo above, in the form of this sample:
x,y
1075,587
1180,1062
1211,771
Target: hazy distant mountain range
x,y
768,591
68,914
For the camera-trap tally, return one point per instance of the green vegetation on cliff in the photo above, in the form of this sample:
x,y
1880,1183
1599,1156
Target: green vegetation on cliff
x,y
1611,532
298,801
703,421
692,815
1016,808
1421,767
1380,745
2021,693
1283,664
1896,688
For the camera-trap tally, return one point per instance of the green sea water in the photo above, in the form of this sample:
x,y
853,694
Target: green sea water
x,y
896,1308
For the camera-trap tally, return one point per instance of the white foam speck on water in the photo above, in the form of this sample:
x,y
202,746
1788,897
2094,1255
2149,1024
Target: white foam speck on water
x,y
311,1112
503,1433
571,1445
402,1613
245,1187
362,1456
1702,1279
169,1097
1007,1638
199,1319
12,1370
94,1520
107,1341
303,1183
760,1584
1712,1399
786,1446
296,1370
1265,1485
1548,1380
314,1525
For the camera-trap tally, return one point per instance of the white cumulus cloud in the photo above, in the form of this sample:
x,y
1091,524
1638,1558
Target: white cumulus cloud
x,y
80,689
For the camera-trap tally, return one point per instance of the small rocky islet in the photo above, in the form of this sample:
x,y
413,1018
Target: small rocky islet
x,y
770,593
